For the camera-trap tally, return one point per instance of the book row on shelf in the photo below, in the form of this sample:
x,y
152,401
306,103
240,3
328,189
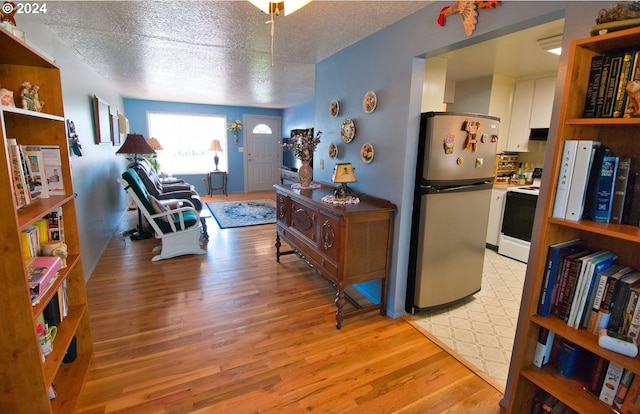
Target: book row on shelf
x,y
596,185
45,252
589,290
35,172
614,85
609,382
44,235
45,255
547,403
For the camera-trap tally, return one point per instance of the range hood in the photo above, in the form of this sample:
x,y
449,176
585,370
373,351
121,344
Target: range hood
x,y
539,134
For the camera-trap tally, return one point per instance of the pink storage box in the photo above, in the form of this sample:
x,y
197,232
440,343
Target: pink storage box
x,y
40,271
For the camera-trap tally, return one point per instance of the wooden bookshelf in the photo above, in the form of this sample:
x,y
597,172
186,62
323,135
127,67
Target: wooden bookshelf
x,y
26,379
622,135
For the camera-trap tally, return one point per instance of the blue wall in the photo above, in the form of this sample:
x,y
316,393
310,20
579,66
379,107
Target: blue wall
x,y
136,112
298,117
100,200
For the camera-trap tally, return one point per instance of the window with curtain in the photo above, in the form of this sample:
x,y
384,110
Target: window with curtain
x,y
185,139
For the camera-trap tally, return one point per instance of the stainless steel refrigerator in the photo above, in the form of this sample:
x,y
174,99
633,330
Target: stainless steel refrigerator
x,y
454,176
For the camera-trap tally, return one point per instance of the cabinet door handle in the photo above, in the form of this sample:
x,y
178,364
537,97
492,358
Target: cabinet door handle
x,y
328,235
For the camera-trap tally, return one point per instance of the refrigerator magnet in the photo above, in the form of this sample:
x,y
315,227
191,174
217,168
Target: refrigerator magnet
x,y
449,142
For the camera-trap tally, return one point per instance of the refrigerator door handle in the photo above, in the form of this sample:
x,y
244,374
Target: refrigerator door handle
x,y
437,189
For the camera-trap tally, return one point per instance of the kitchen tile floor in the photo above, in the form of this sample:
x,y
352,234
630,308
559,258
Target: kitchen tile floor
x,y
481,330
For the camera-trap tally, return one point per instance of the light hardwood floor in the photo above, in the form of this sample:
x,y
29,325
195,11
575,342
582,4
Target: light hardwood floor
x,y
233,331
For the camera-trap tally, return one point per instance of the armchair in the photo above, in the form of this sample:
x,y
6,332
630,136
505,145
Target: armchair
x,y
178,228
165,191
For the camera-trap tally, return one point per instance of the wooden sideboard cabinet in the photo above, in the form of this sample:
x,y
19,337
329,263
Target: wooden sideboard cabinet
x,y
346,244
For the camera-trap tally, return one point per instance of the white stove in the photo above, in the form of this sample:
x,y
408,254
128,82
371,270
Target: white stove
x,y
533,188
517,221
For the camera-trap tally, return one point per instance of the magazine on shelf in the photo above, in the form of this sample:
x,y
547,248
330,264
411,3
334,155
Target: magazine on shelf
x,y
35,163
52,167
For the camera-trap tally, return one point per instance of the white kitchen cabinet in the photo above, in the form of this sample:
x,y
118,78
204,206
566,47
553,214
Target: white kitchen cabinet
x,y
495,214
532,105
542,103
518,139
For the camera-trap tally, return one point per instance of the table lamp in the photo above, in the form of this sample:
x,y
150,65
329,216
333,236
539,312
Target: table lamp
x,y
343,174
215,146
135,145
155,144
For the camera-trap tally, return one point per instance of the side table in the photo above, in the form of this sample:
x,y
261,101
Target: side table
x,y
223,186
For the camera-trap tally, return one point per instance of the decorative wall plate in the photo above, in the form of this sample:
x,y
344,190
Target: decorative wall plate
x,y
334,108
366,153
348,130
333,150
369,102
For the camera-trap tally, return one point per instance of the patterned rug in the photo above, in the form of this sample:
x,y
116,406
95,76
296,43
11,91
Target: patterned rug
x,y
231,214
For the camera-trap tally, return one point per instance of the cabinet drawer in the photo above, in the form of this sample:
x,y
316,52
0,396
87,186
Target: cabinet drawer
x,y
283,209
329,242
303,221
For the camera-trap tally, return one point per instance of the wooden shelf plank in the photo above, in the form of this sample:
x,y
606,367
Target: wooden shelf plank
x,y
66,330
620,231
570,391
48,295
586,340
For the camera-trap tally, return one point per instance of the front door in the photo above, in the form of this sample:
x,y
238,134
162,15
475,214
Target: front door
x,y
263,152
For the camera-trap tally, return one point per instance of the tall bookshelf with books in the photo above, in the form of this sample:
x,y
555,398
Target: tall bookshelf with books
x,y
32,380
531,375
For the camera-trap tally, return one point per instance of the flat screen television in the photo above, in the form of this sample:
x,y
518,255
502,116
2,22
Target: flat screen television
x,y
289,160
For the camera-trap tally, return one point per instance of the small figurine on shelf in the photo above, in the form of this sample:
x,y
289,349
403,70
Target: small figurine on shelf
x,y
6,97
35,97
25,96
8,12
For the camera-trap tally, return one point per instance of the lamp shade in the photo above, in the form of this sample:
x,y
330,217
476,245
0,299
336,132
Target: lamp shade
x,y
286,6
154,144
215,146
135,144
343,173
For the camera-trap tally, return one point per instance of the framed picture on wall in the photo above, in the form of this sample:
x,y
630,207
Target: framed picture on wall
x,y
102,119
115,130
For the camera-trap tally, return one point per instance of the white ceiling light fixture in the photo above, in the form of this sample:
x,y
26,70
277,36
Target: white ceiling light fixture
x,y
279,6
275,8
551,44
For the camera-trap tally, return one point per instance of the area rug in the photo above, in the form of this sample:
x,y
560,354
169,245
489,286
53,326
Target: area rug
x,y
231,214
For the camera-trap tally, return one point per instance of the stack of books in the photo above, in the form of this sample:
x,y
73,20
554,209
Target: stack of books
x,y
35,172
607,95
594,184
589,290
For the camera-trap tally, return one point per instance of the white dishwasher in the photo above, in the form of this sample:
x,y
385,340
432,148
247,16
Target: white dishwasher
x,y
495,215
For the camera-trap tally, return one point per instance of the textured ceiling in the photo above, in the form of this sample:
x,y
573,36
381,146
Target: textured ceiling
x,y
215,52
